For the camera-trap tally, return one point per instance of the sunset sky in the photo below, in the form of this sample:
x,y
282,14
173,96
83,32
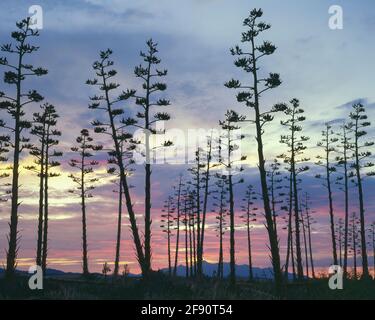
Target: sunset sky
x,y
326,69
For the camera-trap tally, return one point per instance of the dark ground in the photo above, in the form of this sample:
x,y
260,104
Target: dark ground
x,y
162,287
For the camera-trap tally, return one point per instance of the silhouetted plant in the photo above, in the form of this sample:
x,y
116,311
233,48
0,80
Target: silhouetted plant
x,y
249,217
15,105
44,129
289,227
4,168
190,236
308,222
197,185
106,269
206,181
85,182
126,271
105,102
250,95
185,222
38,152
178,195
126,148
294,158
343,182
118,184
147,119
371,235
228,139
360,154
305,244
354,242
327,144
5,185
167,226
193,234
274,186
222,211
339,232
200,172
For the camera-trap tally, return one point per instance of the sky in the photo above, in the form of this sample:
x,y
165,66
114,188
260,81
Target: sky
x,y
326,69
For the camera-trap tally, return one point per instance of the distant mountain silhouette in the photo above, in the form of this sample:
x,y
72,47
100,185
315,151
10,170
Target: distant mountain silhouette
x,y
49,272
209,269
242,271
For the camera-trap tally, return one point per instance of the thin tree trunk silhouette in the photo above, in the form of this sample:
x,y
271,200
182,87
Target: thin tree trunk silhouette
x,y
373,247
120,192
326,143
290,250
332,222
310,250
346,244
198,204
248,217
230,124
273,174
83,208
85,183
39,246
308,220
296,215
289,254
220,273
194,237
360,123
43,129
343,161
231,232
305,245
339,232
45,217
354,244
355,260
85,264
365,273
178,225
205,199
343,182
221,205
119,224
251,276
296,147
292,255
51,117
220,262
297,222
186,237
190,247
273,202
167,224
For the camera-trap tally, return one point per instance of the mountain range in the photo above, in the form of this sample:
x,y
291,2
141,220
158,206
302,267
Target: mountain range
x,y
209,269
